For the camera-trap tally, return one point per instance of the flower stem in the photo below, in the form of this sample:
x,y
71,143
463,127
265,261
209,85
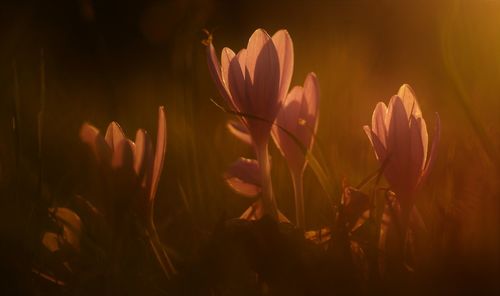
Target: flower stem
x,y
298,189
160,254
269,203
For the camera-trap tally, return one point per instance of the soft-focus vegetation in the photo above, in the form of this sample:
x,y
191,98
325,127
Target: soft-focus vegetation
x,y
67,62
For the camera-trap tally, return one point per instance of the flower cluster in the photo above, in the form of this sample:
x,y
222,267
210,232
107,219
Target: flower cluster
x,y
255,85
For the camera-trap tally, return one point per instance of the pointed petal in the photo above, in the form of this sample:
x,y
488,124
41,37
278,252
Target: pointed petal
x,y
298,117
148,164
114,135
417,153
310,116
407,94
123,156
240,131
91,136
140,152
398,146
226,56
287,118
161,146
215,71
423,140
262,79
311,94
236,82
293,113
378,122
433,152
284,47
378,147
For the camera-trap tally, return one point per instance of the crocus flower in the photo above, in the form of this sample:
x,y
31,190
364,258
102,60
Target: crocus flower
x,y
399,137
298,118
254,83
134,167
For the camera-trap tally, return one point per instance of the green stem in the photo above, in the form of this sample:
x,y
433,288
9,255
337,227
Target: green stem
x,y
268,201
298,189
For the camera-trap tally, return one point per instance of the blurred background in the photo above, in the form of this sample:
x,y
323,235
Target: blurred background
x,y
116,60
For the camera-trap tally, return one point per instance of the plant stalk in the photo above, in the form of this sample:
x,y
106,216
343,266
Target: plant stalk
x,y
298,188
160,253
269,203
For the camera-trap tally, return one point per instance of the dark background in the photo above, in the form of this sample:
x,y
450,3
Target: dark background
x,y
118,60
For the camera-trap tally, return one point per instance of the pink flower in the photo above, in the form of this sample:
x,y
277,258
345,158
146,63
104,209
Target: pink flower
x,y
134,168
134,162
255,81
254,84
298,118
400,140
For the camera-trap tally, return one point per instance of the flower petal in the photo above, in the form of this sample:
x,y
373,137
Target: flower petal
x,y
408,97
215,71
433,152
236,82
262,79
123,156
140,152
378,122
243,176
114,135
288,119
240,131
311,94
378,147
91,136
398,146
161,146
418,142
284,47
241,187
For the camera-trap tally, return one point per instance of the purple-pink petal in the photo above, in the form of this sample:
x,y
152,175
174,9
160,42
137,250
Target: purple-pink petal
x,y
240,131
161,147
244,177
284,47
215,71
433,152
379,126
114,135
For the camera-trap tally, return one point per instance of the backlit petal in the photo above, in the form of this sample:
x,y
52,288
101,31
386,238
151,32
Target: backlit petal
x,y
243,176
284,47
140,152
378,122
408,97
433,151
215,71
114,135
262,79
161,146
240,131
91,136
